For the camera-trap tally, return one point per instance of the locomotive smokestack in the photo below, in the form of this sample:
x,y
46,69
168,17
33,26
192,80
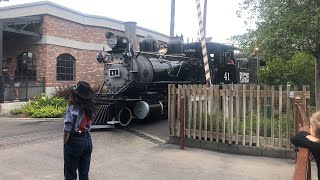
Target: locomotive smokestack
x,y
130,31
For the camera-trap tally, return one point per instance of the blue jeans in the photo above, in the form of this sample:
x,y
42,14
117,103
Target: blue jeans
x,y
77,156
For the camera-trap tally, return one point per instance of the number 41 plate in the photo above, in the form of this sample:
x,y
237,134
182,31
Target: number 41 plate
x,y
114,72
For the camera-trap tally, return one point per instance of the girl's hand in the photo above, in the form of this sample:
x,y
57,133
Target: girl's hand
x,y
312,138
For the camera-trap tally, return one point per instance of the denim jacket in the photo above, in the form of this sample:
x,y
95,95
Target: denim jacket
x,y
73,119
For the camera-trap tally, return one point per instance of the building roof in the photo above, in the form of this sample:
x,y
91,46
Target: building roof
x,y
49,8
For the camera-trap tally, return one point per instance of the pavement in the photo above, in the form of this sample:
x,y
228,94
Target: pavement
x,y
21,126
119,154
158,128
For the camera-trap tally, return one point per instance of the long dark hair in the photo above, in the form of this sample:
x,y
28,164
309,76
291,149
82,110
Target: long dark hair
x,y
87,105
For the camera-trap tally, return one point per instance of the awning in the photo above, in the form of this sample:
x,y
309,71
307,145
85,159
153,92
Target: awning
x,y
21,26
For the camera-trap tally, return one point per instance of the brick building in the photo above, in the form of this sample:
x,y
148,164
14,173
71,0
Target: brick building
x,y
47,40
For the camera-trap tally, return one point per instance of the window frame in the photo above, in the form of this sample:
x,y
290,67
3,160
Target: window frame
x,y
65,67
26,66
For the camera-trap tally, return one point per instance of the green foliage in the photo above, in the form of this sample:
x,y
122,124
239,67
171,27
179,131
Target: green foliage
x,y
286,32
301,69
298,71
282,27
43,107
275,73
49,111
16,111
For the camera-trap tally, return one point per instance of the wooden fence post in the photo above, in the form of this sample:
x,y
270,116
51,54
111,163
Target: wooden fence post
x,y
303,166
182,128
169,109
297,116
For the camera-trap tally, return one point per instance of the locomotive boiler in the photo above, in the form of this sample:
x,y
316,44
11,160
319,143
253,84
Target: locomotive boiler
x,y
137,82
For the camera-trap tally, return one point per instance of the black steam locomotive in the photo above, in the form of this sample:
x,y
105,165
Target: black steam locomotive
x,y
137,82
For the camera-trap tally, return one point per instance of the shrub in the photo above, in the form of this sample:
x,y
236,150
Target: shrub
x,y
62,92
49,112
43,107
16,111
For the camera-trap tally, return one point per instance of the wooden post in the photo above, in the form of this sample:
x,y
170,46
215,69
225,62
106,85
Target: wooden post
x,y
265,115
303,169
212,105
173,110
231,105
303,165
244,104
272,115
200,88
217,102
169,109
251,114
205,89
288,117
189,111
237,114
304,99
297,116
182,128
258,116
177,122
224,94
280,116
194,109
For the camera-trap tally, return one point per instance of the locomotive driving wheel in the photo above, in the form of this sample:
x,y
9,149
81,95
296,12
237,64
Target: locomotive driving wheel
x,y
125,116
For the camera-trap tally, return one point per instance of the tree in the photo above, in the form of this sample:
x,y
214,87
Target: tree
x,y
301,69
274,74
283,27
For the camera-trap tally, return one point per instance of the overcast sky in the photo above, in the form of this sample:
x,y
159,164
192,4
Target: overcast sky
x,y
222,21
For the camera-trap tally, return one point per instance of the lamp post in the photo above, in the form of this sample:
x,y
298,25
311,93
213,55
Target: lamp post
x,y
173,9
205,18
257,62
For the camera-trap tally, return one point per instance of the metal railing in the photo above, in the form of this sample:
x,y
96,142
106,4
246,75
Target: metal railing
x,y
23,88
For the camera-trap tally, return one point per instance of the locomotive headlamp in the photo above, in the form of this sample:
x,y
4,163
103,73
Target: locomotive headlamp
x,y
116,42
112,40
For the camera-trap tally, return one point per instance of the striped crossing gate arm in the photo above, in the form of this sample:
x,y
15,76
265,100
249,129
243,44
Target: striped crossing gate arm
x,y
203,44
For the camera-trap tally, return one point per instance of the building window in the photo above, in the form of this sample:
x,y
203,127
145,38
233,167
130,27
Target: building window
x,y
26,66
65,67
